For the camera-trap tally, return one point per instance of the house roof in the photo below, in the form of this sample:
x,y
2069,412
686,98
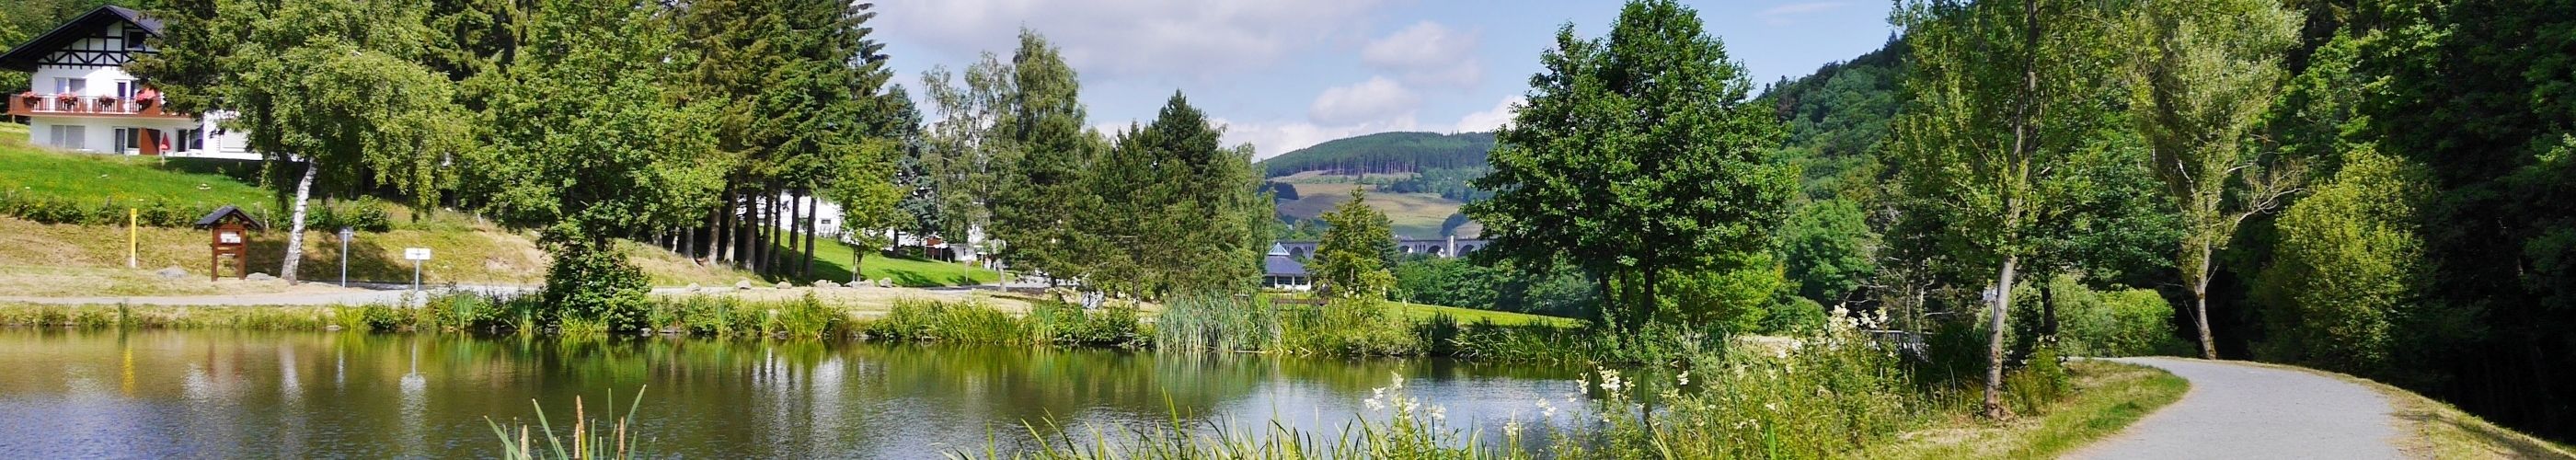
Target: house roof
x,y
229,211
1281,265
23,58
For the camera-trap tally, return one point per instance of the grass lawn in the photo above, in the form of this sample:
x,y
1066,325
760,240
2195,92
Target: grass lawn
x,y
2108,397
89,176
832,262
1417,311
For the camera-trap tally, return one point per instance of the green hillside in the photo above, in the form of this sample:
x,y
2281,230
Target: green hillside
x,y
1385,153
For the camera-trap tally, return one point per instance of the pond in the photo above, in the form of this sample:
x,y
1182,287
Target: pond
x,y
228,393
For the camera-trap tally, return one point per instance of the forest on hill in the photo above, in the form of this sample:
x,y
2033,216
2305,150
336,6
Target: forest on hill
x,y
1381,153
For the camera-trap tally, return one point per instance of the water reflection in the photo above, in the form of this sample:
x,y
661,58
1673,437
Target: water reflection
x,y
259,394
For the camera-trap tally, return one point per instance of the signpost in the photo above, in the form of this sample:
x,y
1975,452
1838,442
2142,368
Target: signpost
x,y
345,235
415,255
133,237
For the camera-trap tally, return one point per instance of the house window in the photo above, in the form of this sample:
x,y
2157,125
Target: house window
x,y
70,85
127,139
134,39
70,137
189,140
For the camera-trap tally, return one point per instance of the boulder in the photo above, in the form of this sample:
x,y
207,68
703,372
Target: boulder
x,y
257,276
785,285
172,273
742,285
826,284
885,282
693,287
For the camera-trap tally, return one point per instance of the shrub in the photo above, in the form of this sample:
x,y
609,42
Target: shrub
x,y
1348,327
2112,323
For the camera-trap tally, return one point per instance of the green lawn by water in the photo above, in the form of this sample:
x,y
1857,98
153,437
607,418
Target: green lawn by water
x,y
1472,316
832,262
94,177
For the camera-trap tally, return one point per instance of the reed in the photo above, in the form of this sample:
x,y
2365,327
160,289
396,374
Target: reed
x,y
1217,322
589,439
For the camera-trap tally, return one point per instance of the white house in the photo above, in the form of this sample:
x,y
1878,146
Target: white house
x,y
79,96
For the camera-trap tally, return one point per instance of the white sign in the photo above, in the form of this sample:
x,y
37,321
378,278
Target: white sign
x,y
415,253
228,238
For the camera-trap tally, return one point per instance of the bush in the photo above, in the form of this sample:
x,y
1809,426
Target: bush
x,y
591,281
2112,323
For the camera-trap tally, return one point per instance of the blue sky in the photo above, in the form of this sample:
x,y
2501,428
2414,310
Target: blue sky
x,y
1284,75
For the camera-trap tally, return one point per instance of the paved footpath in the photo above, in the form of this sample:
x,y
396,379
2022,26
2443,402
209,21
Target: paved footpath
x,y
2245,411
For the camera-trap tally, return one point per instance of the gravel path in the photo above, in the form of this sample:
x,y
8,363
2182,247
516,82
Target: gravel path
x,y
2245,411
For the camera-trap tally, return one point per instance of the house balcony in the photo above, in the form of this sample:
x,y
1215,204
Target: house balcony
x,y
32,104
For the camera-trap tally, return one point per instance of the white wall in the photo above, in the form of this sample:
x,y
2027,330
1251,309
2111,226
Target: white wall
x,y
99,132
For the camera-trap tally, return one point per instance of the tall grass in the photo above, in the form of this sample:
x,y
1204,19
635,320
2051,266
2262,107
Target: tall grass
x,y
589,439
1217,322
803,318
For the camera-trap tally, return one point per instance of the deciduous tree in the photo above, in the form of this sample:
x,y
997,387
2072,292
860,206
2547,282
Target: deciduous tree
x,y
1637,155
2206,73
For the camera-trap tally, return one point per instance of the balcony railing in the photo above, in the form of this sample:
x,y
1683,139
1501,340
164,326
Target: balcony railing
x,y
65,104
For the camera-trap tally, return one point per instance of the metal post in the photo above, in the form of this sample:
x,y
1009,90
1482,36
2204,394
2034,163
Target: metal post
x,y
345,233
415,275
133,238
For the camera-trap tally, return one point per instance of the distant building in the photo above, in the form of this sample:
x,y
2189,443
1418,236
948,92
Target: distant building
x,y
1446,247
1283,272
79,96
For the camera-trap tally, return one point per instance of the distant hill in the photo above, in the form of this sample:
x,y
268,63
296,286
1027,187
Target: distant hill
x,y
1385,153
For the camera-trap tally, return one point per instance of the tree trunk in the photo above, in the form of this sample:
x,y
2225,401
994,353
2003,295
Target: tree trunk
x,y
1601,309
295,223
716,233
811,209
2200,307
1995,341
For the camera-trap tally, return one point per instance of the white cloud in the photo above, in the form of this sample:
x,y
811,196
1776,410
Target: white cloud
x,y
1273,139
1489,120
1781,15
1130,37
1428,53
1376,100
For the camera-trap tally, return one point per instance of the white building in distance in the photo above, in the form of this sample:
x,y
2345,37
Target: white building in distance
x,y
80,98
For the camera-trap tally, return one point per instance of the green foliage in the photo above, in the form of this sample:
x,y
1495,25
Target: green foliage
x,y
1640,139
1838,116
1350,262
588,438
1215,322
1349,327
2206,71
2131,322
1385,153
595,283
1177,213
932,321
1044,194
1448,281
1828,248
1063,323
1734,300
1797,315
2346,281
1454,184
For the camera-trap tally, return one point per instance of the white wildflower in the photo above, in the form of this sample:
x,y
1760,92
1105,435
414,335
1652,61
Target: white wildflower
x,y
1685,378
1512,426
1399,381
1439,413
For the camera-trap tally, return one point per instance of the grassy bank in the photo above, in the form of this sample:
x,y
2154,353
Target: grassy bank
x,y
832,262
2107,398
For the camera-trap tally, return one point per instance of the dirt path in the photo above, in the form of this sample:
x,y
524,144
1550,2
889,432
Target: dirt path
x,y
2245,411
